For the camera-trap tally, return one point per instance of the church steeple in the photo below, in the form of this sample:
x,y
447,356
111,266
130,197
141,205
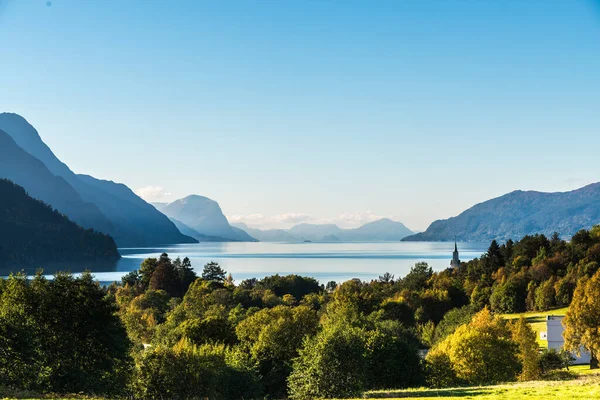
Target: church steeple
x,y
455,263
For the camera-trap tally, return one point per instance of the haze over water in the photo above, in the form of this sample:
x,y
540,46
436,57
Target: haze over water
x,y
323,261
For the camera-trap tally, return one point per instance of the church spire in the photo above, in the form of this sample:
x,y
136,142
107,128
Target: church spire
x,y
455,263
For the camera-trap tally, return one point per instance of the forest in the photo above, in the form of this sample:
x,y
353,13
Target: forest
x,y
32,233
165,332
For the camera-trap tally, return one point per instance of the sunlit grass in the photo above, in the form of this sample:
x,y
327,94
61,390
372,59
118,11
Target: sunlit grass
x,y
579,383
537,320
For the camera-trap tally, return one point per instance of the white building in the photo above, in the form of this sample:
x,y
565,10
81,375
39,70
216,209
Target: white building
x,y
553,334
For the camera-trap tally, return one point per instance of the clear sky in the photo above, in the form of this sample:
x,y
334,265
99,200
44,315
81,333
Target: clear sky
x,y
313,110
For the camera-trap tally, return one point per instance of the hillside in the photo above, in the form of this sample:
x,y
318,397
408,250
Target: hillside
x,y
520,213
204,216
128,218
32,233
21,167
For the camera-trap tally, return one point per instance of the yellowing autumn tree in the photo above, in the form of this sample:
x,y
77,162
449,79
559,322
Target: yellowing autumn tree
x,y
480,352
525,337
582,320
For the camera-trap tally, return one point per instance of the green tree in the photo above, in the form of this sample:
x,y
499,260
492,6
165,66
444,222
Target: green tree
x,y
451,321
417,278
187,371
330,365
582,320
525,337
213,272
273,338
74,340
545,296
185,274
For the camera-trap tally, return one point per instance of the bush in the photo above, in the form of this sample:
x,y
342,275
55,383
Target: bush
x,y
439,371
187,371
552,359
331,364
344,360
392,358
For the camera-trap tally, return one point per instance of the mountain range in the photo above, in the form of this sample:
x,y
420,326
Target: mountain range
x,y
114,209
520,213
203,219
105,206
382,230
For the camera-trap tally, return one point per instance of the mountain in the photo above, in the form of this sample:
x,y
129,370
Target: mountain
x,y
203,216
32,233
520,213
382,230
314,232
21,167
186,230
267,235
127,218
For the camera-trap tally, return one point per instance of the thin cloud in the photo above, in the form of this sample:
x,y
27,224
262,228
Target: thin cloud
x,y
287,220
153,193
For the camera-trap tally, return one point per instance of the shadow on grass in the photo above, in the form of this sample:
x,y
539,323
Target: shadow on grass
x,y
454,392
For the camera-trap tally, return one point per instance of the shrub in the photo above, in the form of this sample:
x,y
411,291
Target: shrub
x,y
187,371
552,359
344,360
331,364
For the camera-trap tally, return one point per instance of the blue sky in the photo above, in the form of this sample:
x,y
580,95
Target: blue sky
x,y
313,110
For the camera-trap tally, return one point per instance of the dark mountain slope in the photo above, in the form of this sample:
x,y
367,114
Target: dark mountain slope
x,y
520,213
32,233
133,221
21,167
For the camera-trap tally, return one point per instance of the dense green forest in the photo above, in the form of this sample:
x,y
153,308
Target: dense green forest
x,y
32,233
164,332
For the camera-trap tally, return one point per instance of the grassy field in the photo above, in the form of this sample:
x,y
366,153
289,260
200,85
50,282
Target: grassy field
x,y
580,383
537,320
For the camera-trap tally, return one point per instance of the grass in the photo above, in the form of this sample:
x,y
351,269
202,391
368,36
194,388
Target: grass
x,y
537,320
579,383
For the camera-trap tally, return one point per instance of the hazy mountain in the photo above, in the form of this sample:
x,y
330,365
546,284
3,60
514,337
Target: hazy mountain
x,y
27,171
203,216
314,232
378,231
32,233
186,230
384,230
267,235
520,213
132,221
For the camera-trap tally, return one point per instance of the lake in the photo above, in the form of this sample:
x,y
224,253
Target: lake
x,y
323,261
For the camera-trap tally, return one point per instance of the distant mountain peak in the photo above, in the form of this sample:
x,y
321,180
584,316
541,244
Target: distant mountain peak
x,y
204,216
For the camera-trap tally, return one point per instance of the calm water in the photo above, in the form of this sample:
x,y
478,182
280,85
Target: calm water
x,y
324,261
